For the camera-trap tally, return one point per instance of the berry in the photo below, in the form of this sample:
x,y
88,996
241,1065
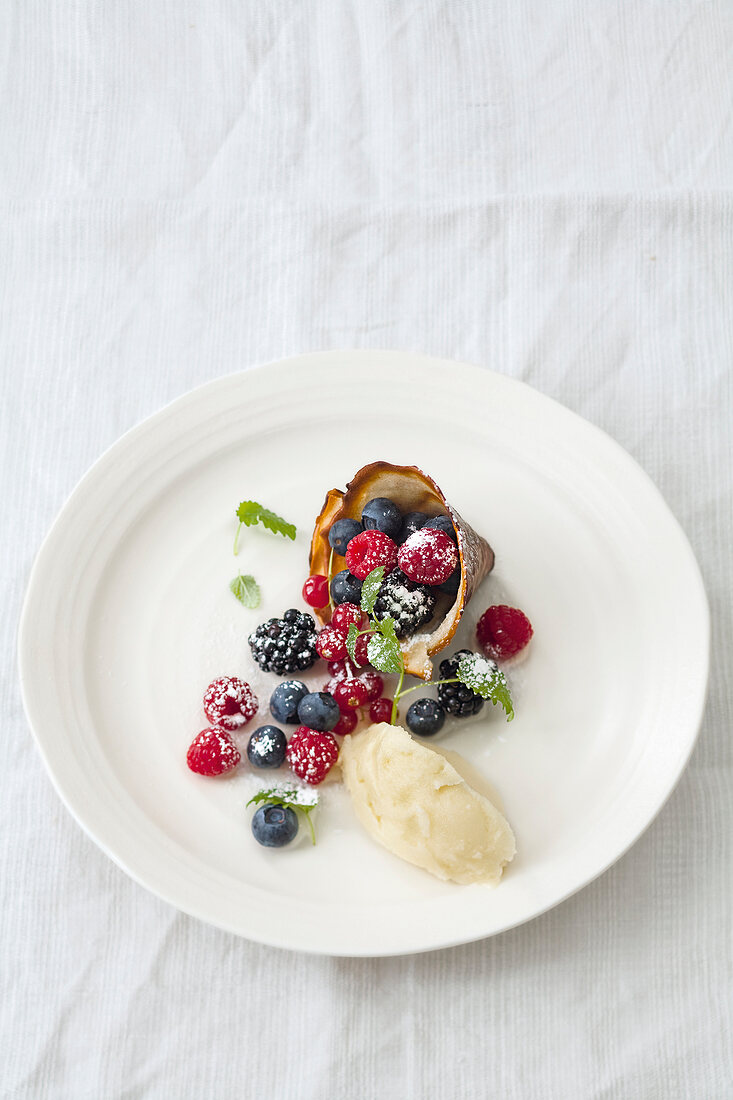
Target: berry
x,y
285,645
274,826
411,605
311,754
444,524
345,588
453,583
331,643
381,710
369,550
503,631
361,649
428,556
284,701
266,747
318,710
229,703
350,693
341,534
346,723
411,523
374,685
457,699
212,752
381,514
347,614
341,670
425,717
315,591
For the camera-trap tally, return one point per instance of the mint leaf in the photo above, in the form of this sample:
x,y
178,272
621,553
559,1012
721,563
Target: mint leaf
x,y
292,797
370,589
250,513
246,589
386,627
385,653
351,637
486,678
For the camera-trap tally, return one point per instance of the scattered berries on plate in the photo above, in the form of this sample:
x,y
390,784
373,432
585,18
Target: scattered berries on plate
x,y
346,723
428,556
381,710
350,694
331,644
444,524
274,826
312,754
318,711
212,752
315,590
266,747
382,514
425,717
410,604
369,550
346,615
503,631
285,645
229,703
284,701
345,588
341,534
457,699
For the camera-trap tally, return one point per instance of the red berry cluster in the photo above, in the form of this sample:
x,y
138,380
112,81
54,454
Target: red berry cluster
x,y
229,703
355,690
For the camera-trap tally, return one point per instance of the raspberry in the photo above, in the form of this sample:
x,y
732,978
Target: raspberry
x,y
350,693
346,723
311,755
229,703
503,631
331,643
368,550
381,710
428,557
374,685
315,591
212,752
345,614
361,648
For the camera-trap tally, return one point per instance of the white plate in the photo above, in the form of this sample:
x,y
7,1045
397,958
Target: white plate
x,y
128,616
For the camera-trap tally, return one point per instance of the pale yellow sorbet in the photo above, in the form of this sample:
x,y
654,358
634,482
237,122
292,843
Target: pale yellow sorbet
x,y
415,803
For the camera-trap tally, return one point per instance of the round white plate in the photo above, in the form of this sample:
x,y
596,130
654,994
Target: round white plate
x,y
128,616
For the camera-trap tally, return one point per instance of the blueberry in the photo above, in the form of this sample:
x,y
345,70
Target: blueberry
x,y
411,523
318,711
443,523
425,717
341,534
266,747
346,588
274,826
383,515
453,583
284,701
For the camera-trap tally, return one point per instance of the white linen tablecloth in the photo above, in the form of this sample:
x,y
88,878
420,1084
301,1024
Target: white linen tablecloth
x,y
189,188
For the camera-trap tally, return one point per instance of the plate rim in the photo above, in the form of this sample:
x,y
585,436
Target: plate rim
x,y
172,407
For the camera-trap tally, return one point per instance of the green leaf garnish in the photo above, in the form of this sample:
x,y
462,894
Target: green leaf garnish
x,y
251,513
385,654
487,680
370,589
351,638
246,589
294,798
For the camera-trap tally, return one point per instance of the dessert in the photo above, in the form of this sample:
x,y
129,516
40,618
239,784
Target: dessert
x,y
414,802
402,504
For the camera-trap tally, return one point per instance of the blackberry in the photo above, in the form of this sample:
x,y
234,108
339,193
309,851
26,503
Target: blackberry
x,y
457,699
285,645
411,605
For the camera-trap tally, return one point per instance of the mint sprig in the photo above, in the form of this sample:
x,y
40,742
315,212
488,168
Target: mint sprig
x,y
246,589
291,798
250,513
484,676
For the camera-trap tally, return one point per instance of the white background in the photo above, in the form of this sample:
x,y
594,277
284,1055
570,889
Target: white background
x,y
187,189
